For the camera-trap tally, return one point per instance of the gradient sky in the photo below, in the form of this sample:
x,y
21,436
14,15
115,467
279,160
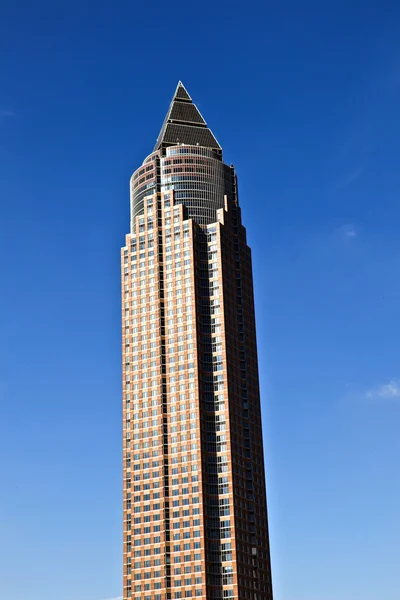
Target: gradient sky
x,y
304,98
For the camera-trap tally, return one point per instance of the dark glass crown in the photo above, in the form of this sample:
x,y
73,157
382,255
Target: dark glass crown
x,y
185,125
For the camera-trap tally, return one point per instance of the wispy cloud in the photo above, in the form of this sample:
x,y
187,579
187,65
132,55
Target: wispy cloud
x,y
348,179
386,391
348,231
4,114
351,177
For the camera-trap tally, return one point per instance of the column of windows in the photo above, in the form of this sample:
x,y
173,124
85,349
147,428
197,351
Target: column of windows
x,y
184,445
143,488
220,571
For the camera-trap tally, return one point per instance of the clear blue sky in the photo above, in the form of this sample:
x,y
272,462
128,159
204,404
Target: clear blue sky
x,y
304,98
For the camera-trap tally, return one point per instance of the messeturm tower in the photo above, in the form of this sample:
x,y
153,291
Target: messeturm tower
x,y
195,511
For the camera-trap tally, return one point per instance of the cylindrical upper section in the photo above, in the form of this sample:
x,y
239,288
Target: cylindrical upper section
x,y
196,174
144,182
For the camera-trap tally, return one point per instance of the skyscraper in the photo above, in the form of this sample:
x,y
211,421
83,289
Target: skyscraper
x,y
195,513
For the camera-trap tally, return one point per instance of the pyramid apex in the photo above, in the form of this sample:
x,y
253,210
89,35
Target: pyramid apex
x,y
185,124
181,93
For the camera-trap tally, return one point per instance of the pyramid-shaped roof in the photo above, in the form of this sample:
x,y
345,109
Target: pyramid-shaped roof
x,y
185,125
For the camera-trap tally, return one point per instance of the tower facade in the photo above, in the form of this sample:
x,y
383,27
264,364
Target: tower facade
x,y
195,512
